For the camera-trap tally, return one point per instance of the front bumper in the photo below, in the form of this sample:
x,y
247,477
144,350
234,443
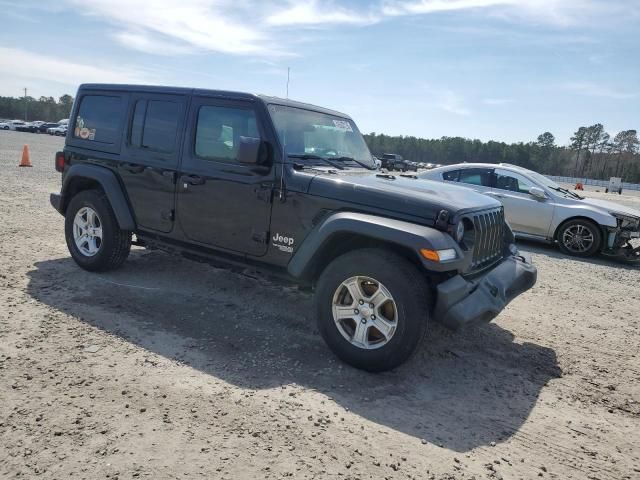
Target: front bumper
x,y
462,301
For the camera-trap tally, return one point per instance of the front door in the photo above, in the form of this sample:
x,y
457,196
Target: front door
x,y
524,212
151,153
220,202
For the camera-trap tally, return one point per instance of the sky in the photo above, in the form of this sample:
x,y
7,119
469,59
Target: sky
x,y
503,70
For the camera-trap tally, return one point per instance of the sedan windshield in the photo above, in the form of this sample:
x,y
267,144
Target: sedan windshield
x,y
307,134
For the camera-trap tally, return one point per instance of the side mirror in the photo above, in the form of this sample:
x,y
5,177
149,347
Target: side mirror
x,y
538,193
253,151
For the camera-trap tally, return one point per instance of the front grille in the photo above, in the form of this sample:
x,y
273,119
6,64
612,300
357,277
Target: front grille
x,y
488,232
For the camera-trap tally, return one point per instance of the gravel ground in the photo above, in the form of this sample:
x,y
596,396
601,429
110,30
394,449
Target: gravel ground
x,y
170,368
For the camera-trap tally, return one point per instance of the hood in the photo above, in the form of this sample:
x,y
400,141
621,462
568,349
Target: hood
x,y
612,207
418,197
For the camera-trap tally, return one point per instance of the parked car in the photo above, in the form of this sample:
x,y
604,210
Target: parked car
x,y
31,127
15,124
4,125
60,130
539,209
42,128
230,176
394,161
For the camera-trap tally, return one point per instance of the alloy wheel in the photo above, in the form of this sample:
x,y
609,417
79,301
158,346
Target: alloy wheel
x,y
365,312
87,231
578,238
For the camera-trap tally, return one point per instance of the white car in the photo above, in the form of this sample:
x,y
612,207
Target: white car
x,y
60,130
4,126
13,124
537,208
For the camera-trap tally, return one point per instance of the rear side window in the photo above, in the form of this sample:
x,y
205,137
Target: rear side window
x,y
451,176
218,131
99,119
155,125
476,176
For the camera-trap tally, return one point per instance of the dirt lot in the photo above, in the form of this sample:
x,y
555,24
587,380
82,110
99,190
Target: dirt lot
x,y
169,368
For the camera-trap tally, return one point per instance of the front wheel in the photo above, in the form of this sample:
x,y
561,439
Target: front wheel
x,y
93,235
579,237
372,308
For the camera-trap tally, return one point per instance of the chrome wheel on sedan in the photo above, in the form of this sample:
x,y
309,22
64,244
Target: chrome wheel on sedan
x,y
87,231
578,238
365,313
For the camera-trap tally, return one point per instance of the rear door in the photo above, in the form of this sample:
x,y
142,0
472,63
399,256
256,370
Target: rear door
x,y
223,203
524,212
150,156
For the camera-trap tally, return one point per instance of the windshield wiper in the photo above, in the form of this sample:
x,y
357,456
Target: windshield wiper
x,y
310,156
351,159
564,190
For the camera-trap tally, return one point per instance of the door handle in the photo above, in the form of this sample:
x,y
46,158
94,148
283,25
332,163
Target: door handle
x,y
194,179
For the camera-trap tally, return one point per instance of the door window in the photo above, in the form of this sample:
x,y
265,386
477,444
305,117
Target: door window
x,y
451,176
219,129
511,181
99,119
476,176
155,125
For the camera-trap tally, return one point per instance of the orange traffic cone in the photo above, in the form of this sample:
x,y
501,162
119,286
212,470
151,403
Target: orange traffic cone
x,y
26,160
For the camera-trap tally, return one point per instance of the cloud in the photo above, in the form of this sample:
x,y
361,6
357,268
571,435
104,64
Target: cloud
x,y
594,90
310,12
558,12
16,62
446,99
149,43
496,101
213,25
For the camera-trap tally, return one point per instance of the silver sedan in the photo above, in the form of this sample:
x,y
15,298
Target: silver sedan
x,y
539,209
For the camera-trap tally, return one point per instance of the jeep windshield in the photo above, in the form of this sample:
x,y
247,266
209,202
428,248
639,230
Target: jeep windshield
x,y
312,136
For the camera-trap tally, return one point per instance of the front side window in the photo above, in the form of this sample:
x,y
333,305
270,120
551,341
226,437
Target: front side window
x,y
218,131
315,133
476,176
99,119
511,181
155,125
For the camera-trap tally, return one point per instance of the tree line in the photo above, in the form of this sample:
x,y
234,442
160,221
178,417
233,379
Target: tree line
x,y
591,153
30,109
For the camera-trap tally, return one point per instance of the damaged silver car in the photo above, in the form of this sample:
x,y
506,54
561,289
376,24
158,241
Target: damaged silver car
x,y
537,208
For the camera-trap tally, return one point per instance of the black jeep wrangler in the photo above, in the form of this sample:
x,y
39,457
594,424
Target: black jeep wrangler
x,y
290,188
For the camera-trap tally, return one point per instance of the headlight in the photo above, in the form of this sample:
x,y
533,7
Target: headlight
x,y
459,233
626,221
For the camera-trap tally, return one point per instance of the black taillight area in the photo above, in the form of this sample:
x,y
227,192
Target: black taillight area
x,y
59,161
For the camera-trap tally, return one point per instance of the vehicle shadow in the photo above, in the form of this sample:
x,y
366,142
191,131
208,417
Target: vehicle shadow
x,y
554,252
460,391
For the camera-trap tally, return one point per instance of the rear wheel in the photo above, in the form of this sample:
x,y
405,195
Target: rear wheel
x,y
93,235
579,237
372,308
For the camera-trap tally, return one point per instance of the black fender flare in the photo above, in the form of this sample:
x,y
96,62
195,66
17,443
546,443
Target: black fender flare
x,y
402,233
109,183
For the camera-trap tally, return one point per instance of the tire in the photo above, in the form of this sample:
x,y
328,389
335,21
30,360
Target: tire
x,y
578,227
114,245
409,307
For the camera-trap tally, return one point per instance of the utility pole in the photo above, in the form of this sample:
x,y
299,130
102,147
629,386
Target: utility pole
x,y
25,104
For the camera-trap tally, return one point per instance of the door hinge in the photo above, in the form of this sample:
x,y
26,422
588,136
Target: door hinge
x,y
167,215
260,237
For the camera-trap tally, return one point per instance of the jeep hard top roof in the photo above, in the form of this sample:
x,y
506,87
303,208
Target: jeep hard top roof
x,y
203,92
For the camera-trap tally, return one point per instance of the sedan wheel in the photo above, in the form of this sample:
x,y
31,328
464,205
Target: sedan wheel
x,y
580,238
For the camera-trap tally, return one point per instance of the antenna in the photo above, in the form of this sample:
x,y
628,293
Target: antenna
x,y
288,72
284,143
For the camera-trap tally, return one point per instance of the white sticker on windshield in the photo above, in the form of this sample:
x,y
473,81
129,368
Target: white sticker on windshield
x,y
343,125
